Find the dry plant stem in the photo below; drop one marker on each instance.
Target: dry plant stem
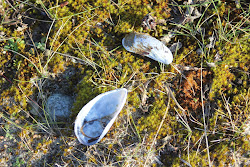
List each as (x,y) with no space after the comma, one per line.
(204,122)
(229,112)
(11,5)
(178,105)
(176,102)
(165,114)
(45,21)
(11,122)
(183,77)
(28,32)
(50,28)
(184,122)
(132,75)
(28,98)
(57,36)
(185,162)
(25,58)
(25,142)
(91,63)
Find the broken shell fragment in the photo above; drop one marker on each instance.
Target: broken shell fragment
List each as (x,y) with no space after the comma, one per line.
(146,45)
(96,117)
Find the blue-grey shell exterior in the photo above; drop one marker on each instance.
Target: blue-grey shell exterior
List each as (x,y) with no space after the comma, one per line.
(146,45)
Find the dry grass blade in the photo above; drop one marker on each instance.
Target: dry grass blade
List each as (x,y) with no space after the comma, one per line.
(160,126)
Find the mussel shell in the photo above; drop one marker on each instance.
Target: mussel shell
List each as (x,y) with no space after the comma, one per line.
(145,45)
(96,117)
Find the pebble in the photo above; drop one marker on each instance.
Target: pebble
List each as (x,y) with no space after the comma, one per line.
(58,106)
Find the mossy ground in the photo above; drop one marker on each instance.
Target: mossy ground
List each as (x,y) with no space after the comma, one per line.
(74,48)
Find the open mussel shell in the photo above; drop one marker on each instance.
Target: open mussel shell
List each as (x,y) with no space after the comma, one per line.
(96,117)
(146,45)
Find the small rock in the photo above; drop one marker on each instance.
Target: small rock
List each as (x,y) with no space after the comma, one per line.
(175,47)
(199,51)
(58,106)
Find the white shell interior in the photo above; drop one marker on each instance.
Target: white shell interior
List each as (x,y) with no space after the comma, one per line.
(98,115)
(146,45)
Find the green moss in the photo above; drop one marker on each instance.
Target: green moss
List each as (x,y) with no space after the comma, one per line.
(228,80)
(92,31)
